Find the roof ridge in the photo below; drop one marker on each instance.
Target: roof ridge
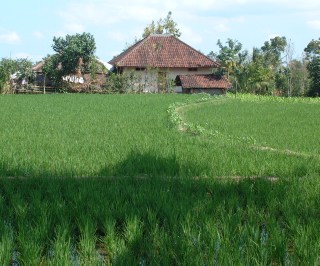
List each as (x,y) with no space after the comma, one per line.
(216,63)
(140,54)
(161,34)
(124,53)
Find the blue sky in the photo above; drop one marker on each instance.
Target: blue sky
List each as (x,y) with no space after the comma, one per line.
(28,27)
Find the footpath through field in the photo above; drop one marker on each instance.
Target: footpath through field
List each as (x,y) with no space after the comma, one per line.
(180,111)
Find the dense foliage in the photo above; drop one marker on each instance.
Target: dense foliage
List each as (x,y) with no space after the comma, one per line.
(266,70)
(75,52)
(74,55)
(13,72)
(313,58)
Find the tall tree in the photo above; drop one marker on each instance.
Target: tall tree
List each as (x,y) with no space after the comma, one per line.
(272,51)
(267,66)
(233,59)
(289,50)
(300,81)
(52,68)
(260,76)
(74,53)
(163,26)
(313,58)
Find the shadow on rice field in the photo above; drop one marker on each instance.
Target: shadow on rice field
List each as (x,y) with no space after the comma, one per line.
(105,180)
(142,218)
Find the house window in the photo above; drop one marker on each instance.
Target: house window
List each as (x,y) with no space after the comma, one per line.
(140,68)
(192,69)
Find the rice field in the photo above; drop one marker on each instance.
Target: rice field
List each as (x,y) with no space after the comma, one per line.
(159,180)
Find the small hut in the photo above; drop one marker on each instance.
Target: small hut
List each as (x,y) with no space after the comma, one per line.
(207,83)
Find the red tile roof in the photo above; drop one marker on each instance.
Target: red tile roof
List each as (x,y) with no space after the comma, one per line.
(200,81)
(166,51)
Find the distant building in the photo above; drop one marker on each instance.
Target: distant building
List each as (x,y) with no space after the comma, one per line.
(197,83)
(76,82)
(158,59)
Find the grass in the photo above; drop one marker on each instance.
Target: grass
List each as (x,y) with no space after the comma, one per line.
(162,220)
(108,180)
(279,124)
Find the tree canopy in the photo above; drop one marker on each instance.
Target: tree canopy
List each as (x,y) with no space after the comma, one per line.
(262,71)
(74,55)
(74,52)
(313,58)
(163,26)
(230,55)
(232,59)
(273,49)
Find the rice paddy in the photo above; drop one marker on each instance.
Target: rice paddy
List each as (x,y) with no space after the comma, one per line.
(111,180)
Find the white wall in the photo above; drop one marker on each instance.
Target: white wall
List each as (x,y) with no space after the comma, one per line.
(147,80)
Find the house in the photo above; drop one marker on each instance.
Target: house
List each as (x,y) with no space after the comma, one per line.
(158,59)
(77,82)
(197,83)
(40,80)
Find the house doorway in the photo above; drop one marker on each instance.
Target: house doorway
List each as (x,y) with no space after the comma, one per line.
(162,81)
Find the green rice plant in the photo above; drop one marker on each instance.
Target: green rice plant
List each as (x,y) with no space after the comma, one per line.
(114,243)
(60,252)
(30,249)
(6,243)
(158,242)
(269,123)
(107,179)
(87,245)
(53,136)
(165,221)
(134,241)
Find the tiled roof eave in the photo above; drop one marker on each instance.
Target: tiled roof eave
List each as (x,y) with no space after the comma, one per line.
(203,81)
(162,51)
(165,66)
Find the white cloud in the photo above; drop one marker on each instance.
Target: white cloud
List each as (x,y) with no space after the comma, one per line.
(216,5)
(221,27)
(289,3)
(10,37)
(60,33)
(273,35)
(69,28)
(190,36)
(21,55)
(201,22)
(117,36)
(32,57)
(314,24)
(74,28)
(109,13)
(38,34)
